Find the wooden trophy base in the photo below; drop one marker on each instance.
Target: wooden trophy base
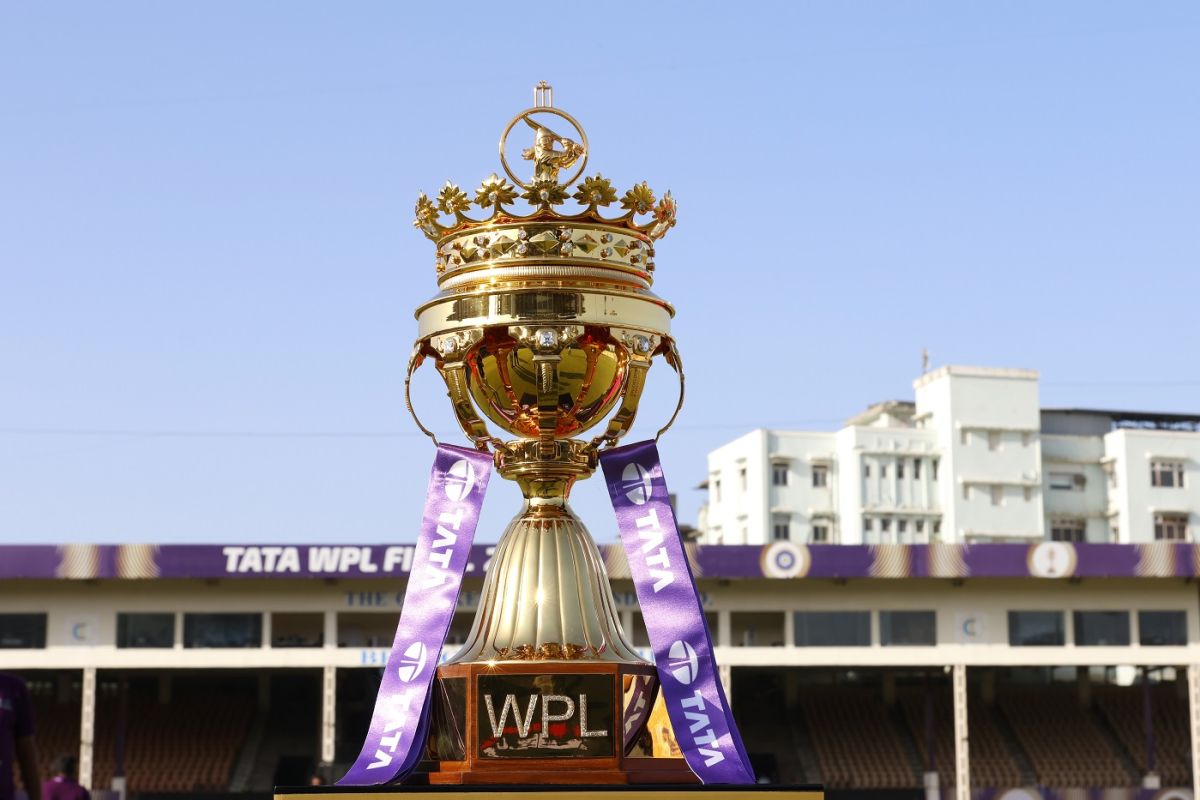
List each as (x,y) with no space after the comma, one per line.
(546,722)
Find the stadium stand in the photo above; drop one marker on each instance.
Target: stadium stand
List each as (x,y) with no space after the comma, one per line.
(1064,743)
(1122,708)
(187,745)
(868,752)
(992,760)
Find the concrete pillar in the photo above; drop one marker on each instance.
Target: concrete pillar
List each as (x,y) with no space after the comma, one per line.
(962,756)
(266,630)
(331,630)
(724,629)
(87,728)
(932,790)
(789,629)
(1193,677)
(328,714)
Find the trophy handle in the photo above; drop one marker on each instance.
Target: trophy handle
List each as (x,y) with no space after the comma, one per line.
(673,358)
(622,421)
(456,382)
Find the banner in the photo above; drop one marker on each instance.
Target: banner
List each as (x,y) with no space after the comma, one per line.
(400,721)
(666,590)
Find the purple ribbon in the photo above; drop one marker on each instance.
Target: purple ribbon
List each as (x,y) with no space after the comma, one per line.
(400,721)
(666,590)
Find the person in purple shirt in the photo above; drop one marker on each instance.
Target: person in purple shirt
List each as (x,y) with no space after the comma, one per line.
(64,785)
(16,739)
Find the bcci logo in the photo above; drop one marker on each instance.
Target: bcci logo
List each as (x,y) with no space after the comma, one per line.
(413,660)
(636,484)
(460,480)
(682,662)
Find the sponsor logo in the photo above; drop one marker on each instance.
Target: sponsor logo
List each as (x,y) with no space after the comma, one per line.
(682,662)
(785,560)
(636,484)
(1051,560)
(413,661)
(700,729)
(460,480)
(653,551)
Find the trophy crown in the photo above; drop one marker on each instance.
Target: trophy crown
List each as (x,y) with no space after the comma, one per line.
(557,223)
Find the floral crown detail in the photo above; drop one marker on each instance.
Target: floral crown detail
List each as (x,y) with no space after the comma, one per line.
(541,239)
(496,194)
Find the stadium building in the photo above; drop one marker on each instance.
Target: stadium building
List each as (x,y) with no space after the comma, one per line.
(1034,669)
(974,459)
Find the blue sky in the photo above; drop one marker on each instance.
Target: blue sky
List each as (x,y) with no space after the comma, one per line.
(207,268)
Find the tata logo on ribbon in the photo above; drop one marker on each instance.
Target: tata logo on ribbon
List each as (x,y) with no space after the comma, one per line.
(682,662)
(636,483)
(460,480)
(413,661)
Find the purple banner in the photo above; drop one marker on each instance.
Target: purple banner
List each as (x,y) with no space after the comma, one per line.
(400,721)
(683,650)
(784,560)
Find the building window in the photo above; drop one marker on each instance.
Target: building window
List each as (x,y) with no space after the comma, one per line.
(1068,530)
(1159,628)
(820,476)
(885,524)
(145,630)
(742,477)
(866,470)
(1171,527)
(900,468)
(299,629)
(781,528)
(901,526)
(1035,628)
(22,631)
(937,526)
(916,469)
(1027,491)
(1166,474)
(779,474)
(933,468)
(867,524)
(716,488)
(883,471)
(901,628)
(920,525)
(993,440)
(833,628)
(1102,628)
(1065,481)
(997,494)
(222,630)
(820,533)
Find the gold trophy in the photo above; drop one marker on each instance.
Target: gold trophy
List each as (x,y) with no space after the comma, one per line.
(544,325)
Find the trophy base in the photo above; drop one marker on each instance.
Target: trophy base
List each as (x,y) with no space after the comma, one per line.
(548,722)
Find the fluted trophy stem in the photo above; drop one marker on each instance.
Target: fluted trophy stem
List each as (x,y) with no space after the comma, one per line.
(546,595)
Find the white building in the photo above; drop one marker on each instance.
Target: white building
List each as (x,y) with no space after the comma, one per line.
(973,459)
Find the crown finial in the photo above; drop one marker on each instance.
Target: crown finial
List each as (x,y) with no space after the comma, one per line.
(546,239)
